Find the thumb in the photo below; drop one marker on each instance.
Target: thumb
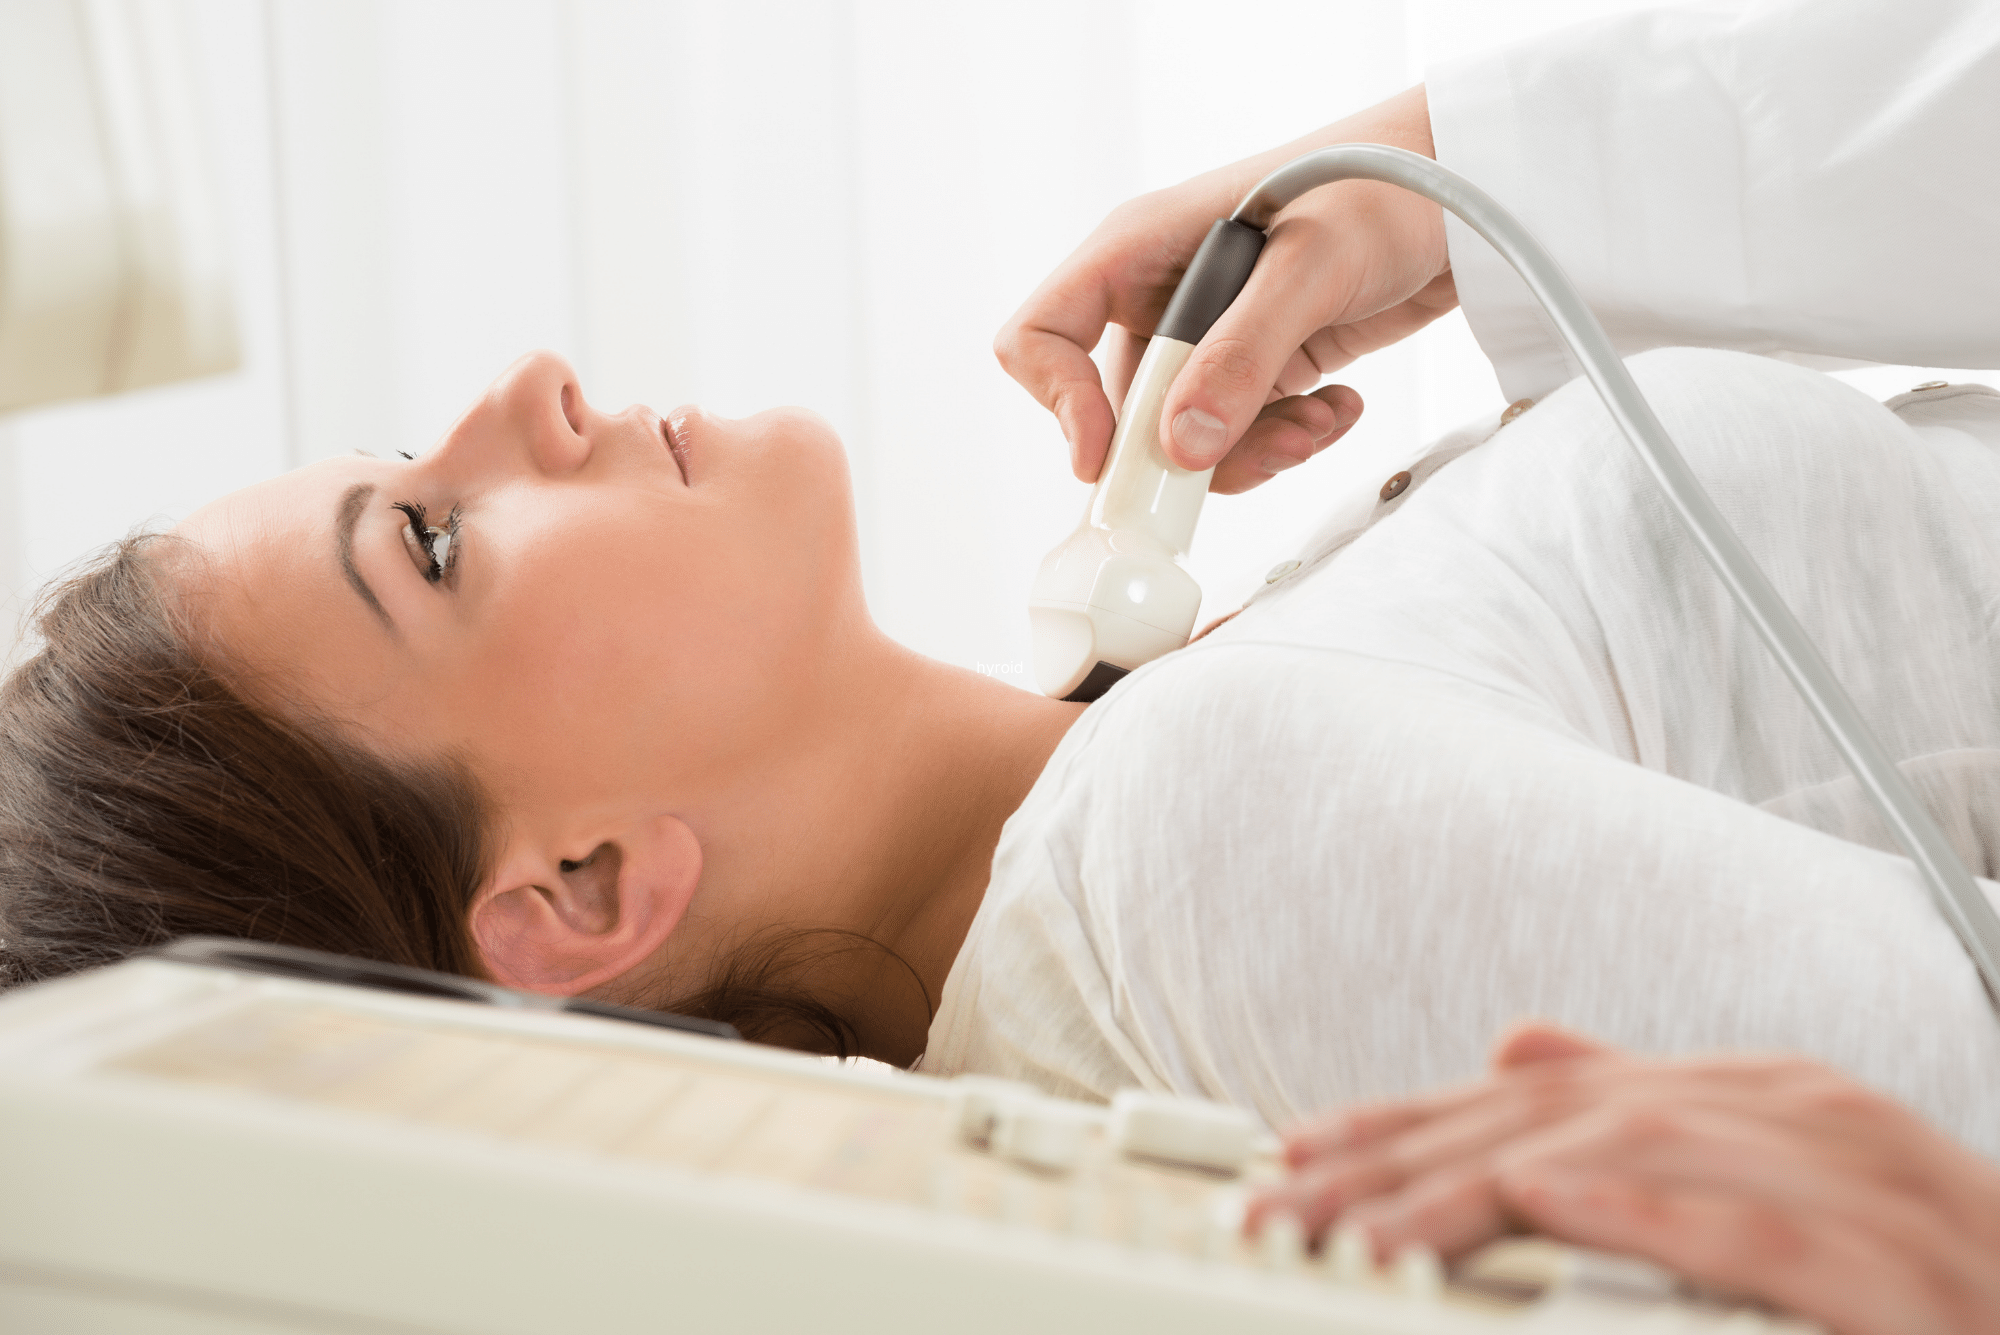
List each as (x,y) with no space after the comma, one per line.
(1228,379)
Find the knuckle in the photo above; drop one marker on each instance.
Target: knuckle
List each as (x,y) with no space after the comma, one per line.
(1636,1126)
(1808,1086)
(1065,398)
(1007,345)
(1755,1238)
(1840,1100)
(1547,1093)
(1799,1070)
(1233,366)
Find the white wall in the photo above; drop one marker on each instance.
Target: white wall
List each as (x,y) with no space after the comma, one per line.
(743,204)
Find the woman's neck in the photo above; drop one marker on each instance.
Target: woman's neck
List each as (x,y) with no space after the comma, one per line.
(884,823)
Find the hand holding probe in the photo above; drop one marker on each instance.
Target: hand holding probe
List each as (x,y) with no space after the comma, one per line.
(1116,595)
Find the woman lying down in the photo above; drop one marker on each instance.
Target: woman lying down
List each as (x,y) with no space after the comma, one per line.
(591,703)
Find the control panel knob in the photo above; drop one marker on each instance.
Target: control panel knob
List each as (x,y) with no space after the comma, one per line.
(1182,1131)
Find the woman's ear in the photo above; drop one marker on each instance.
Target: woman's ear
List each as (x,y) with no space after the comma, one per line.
(563,917)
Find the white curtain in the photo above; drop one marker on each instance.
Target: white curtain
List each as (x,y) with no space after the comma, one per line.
(743,204)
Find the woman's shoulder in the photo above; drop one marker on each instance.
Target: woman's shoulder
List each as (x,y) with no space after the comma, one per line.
(1155,784)
(1132,816)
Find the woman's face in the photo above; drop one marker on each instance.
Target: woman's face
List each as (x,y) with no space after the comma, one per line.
(625,606)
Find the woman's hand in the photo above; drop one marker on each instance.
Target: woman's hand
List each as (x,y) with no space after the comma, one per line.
(1349,268)
(1770,1176)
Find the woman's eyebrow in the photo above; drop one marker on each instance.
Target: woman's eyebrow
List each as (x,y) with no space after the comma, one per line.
(352,502)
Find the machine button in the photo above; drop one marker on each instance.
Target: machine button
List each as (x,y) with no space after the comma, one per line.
(1150,1218)
(1222,1225)
(1276,573)
(983,1102)
(1419,1273)
(1515,409)
(1086,1211)
(1043,1133)
(1283,1242)
(1350,1255)
(1182,1131)
(1017,1201)
(1395,485)
(947,1188)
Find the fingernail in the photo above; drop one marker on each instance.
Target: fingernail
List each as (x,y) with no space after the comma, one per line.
(1278,463)
(1199,436)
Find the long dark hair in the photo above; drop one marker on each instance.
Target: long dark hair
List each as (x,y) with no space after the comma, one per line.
(142,798)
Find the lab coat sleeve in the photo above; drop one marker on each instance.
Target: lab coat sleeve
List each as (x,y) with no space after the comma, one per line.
(1819,178)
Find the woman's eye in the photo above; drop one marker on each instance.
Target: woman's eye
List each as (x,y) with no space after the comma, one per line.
(439,544)
(431,548)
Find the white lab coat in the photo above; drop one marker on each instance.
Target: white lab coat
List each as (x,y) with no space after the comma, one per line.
(1815,177)
(1501,745)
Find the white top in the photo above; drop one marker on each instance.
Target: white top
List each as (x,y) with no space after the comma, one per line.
(1502,747)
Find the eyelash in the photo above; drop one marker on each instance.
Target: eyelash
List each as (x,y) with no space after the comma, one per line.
(426,537)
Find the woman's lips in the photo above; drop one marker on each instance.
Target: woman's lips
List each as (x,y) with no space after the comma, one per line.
(673,429)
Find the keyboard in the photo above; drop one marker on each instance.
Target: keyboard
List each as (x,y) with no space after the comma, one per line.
(194,1148)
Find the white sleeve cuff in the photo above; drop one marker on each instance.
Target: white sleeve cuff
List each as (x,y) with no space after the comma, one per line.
(1477,133)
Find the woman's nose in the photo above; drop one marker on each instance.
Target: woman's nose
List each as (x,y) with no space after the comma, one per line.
(536,407)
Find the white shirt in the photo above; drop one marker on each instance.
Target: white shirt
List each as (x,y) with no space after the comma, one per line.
(1502,747)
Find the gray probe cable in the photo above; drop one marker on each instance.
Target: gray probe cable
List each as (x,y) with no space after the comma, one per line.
(1951,886)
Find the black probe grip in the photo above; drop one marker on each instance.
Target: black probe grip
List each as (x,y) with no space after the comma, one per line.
(1213,278)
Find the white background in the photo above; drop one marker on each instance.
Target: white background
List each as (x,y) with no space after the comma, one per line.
(740,204)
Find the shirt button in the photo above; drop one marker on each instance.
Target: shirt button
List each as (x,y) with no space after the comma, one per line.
(1930,384)
(1515,409)
(1280,570)
(1394,486)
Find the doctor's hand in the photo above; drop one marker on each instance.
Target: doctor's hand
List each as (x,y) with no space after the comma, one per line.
(1349,268)
(1774,1177)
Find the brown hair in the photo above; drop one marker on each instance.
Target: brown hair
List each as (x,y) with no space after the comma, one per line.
(142,798)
